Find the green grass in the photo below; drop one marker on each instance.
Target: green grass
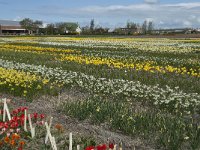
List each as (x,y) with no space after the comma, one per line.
(166,131)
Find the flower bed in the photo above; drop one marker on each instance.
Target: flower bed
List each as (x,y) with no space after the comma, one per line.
(18,128)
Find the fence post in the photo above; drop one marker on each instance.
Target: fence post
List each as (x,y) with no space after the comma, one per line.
(5,111)
(25,120)
(115,147)
(51,139)
(70,141)
(49,126)
(31,126)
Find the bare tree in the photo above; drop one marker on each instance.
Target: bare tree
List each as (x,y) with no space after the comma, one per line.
(131,25)
(150,27)
(92,25)
(145,27)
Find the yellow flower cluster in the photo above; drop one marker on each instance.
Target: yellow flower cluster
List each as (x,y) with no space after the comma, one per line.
(34,48)
(14,79)
(146,66)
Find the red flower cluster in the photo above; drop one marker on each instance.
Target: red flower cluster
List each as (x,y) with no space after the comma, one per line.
(19,110)
(36,116)
(17,119)
(10,129)
(100,147)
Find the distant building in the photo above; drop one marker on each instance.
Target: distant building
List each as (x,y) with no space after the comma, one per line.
(174,31)
(78,30)
(197,30)
(128,31)
(8,27)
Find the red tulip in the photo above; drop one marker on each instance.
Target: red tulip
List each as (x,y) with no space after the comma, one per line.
(101,147)
(35,115)
(42,116)
(20,148)
(14,112)
(19,110)
(24,108)
(111,146)
(90,148)
(1,112)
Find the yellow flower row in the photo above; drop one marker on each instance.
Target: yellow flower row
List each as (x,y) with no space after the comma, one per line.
(165,40)
(20,79)
(34,48)
(97,39)
(146,66)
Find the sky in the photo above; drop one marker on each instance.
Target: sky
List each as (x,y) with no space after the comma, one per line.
(106,13)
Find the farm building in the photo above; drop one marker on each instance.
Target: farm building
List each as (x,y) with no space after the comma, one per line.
(175,31)
(8,27)
(128,31)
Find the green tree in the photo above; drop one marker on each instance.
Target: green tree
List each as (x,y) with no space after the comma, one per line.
(50,29)
(66,27)
(100,30)
(30,25)
(86,30)
(27,24)
(36,26)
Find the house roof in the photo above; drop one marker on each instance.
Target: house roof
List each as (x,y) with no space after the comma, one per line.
(12,28)
(9,23)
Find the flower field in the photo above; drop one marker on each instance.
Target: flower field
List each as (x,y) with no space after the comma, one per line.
(140,87)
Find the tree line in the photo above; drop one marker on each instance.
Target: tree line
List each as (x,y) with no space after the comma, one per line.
(62,28)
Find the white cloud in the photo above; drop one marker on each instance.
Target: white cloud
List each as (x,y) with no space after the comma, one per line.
(149,19)
(198,20)
(193,17)
(187,23)
(171,15)
(18,18)
(151,1)
(163,15)
(114,8)
(185,5)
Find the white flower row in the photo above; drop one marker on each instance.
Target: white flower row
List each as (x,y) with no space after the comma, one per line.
(145,46)
(159,45)
(167,97)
